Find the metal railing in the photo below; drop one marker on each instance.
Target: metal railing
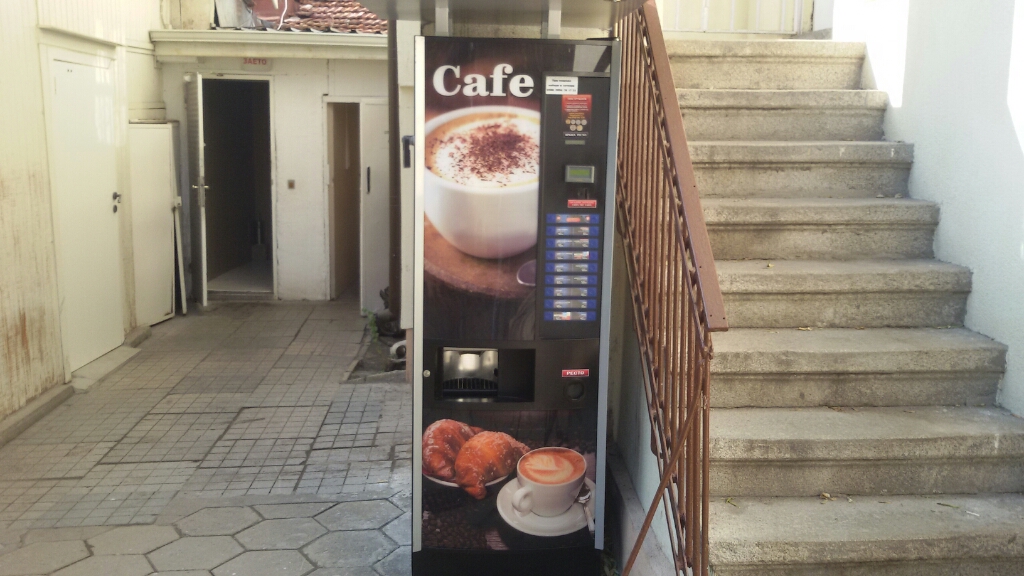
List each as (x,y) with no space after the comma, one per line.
(677,301)
(735,16)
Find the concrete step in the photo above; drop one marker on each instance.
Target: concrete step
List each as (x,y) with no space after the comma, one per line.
(745,169)
(849,367)
(795,115)
(820,228)
(979,535)
(843,294)
(882,451)
(766,64)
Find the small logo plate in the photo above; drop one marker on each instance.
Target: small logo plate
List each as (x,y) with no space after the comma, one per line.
(574,203)
(577,373)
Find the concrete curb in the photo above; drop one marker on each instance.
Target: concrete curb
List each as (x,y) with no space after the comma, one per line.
(33,412)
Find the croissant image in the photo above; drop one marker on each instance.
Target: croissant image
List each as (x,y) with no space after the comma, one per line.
(442,441)
(485,457)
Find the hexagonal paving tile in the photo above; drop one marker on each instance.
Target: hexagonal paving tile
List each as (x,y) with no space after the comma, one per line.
(300,510)
(400,529)
(364,515)
(132,540)
(218,521)
(202,553)
(355,571)
(398,563)
(42,558)
(286,534)
(183,573)
(348,549)
(272,563)
(134,565)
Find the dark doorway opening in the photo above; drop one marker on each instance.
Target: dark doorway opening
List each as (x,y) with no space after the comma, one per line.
(239,208)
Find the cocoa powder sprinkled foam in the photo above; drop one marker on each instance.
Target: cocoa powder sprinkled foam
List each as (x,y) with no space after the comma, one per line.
(490,150)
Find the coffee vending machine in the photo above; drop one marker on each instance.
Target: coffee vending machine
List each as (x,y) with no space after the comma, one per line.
(515,179)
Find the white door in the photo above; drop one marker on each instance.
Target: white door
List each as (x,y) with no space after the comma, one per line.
(154,189)
(374,219)
(83,128)
(197,182)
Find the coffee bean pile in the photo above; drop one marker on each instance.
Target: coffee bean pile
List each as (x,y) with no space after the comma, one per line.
(446,522)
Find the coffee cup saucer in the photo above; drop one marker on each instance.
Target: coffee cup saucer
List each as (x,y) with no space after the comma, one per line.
(570,521)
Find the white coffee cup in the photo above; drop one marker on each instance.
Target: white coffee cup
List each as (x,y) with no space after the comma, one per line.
(549,489)
(486,222)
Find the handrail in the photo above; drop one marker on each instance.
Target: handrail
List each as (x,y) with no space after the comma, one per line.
(677,301)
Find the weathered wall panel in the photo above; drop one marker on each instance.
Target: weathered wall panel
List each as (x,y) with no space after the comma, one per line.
(104,19)
(30,354)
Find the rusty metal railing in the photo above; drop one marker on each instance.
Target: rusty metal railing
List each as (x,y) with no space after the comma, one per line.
(677,302)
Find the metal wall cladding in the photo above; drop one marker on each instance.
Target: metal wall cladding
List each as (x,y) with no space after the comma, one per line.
(30,358)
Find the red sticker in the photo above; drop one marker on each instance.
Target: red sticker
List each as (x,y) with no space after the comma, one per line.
(582,203)
(577,373)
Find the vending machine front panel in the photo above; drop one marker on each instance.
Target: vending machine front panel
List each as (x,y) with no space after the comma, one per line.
(514,195)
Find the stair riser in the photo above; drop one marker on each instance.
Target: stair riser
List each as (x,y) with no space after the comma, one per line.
(813,390)
(846,310)
(826,242)
(910,567)
(788,125)
(872,477)
(767,73)
(800,180)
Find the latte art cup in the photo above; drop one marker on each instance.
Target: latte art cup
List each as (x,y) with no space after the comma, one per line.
(482,221)
(547,499)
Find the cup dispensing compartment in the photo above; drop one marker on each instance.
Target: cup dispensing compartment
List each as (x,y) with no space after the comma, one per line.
(485,375)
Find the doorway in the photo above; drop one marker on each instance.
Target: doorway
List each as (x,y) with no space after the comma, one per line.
(359,193)
(343,153)
(238,200)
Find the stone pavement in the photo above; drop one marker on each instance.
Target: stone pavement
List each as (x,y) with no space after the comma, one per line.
(232,444)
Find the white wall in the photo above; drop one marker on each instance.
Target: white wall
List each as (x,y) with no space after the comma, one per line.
(30,354)
(968,131)
(298,124)
(30,349)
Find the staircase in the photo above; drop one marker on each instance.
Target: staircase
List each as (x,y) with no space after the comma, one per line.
(853,430)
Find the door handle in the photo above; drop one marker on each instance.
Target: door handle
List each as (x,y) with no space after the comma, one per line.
(117,197)
(407,143)
(367,179)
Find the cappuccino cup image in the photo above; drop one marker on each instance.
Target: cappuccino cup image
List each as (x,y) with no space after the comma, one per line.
(481,179)
(550,480)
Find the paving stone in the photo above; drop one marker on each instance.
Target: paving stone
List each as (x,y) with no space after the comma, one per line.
(218,521)
(61,534)
(365,515)
(201,553)
(398,563)
(108,566)
(183,573)
(400,529)
(306,510)
(350,571)
(272,563)
(42,558)
(284,534)
(132,540)
(350,549)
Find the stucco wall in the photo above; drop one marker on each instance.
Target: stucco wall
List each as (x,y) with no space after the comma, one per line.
(298,125)
(955,101)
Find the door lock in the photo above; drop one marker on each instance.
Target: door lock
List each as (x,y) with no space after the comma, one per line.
(117,200)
